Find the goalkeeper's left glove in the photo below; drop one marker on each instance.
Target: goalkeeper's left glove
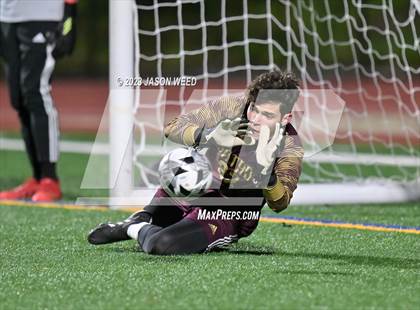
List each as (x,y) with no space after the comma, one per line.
(66,32)
(230,133)
(267,148)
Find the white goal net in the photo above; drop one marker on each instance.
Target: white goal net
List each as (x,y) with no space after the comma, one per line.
(367,53)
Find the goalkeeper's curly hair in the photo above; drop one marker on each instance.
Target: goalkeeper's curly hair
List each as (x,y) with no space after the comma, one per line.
(275,80)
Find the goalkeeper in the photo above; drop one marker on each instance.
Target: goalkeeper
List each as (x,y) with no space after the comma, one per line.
(257,154)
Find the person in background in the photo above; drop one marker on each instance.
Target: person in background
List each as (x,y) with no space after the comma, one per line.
(33,35)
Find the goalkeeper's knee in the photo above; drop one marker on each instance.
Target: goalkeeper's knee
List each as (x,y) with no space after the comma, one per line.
(161,243)
(170,243)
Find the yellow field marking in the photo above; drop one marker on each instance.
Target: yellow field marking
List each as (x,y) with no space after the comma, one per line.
(68,206)
(340,225)
(51,205)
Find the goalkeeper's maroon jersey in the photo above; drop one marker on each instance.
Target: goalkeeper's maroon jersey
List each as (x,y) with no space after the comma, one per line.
(236,173)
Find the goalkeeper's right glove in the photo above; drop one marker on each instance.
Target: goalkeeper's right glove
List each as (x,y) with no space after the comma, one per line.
(230,133)
(267,147)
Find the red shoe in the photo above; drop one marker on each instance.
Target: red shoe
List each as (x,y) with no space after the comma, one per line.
(25,190)
(48,190)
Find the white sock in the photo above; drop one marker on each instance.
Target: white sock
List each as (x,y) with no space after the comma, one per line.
(134,229)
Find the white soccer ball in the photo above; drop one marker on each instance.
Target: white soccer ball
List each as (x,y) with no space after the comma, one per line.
(185,173)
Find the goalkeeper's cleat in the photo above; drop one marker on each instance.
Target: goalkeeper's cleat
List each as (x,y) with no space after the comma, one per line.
(109,232)
(23,191)
(48,190)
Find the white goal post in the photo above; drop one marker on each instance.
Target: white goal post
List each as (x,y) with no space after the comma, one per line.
(366,53)
(120,101)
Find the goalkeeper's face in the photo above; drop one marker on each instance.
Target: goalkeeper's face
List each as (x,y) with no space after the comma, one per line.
(267,114)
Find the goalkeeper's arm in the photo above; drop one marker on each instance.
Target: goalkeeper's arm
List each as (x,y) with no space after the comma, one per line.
(277,196)
(287,170)
(187,128)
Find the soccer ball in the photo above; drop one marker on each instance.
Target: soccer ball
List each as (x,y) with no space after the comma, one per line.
(185,173)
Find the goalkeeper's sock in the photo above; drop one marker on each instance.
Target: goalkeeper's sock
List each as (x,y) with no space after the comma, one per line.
(134,229)
(48,170)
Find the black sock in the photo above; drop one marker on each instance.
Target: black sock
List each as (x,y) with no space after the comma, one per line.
(36,171)
(48,170)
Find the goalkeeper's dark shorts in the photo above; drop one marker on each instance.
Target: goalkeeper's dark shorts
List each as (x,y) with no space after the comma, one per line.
(222,226)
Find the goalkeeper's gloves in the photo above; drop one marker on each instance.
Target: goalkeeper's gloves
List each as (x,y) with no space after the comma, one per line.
(267,148)
(66,32)
(230,133)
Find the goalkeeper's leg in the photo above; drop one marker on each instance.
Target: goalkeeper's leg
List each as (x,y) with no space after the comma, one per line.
(188,236)
(161,216)
(183,237)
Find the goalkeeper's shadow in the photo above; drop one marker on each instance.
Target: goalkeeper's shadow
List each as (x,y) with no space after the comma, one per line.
(251,252)
(142,256)
(233,250)
(244,249)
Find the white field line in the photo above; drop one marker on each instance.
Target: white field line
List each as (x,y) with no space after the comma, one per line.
(77,147)
(80,147)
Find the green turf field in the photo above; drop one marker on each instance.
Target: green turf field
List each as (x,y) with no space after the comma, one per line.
(46,262)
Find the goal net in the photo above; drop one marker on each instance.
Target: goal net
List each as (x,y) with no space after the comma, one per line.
(359,67)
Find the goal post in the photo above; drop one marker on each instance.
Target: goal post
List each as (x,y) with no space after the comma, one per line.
(121,99)
(367,54)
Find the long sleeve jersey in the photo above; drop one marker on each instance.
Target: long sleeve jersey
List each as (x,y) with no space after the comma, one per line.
(287,167)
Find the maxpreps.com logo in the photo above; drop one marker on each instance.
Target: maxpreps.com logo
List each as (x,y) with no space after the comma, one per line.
(219,214)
